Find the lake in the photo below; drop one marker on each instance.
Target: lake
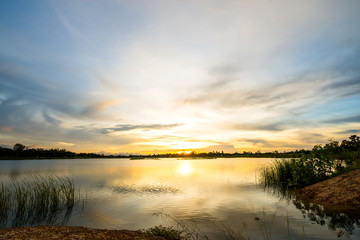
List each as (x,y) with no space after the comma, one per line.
(127,194)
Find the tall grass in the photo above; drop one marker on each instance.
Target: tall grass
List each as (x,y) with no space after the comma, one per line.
(191,229)
(5,198)
(300,172)
(196,229)
(38,200)
(278,172)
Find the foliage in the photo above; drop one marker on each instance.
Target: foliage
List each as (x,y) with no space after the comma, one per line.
(19,147)
(322,163)
(20,151)
(166,232)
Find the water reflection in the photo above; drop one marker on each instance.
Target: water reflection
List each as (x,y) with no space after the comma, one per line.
(145,189)
(185,168)
(320,215)
(317,214)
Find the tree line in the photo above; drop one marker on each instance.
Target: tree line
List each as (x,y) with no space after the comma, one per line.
(347,150)
(20,151)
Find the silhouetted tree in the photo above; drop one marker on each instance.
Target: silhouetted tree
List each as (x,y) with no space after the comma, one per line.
(353,144)
(18,147)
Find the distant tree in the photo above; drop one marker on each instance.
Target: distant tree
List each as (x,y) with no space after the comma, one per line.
(353,144)
(18,147)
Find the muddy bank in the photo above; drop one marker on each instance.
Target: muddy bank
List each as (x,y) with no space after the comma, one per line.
(59,232)
(341,193)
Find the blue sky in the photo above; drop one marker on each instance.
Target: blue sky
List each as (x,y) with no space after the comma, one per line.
(160,76)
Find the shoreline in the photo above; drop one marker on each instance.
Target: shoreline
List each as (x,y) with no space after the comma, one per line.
(340,193)
(65,232)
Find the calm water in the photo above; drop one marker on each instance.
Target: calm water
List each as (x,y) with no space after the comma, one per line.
(121,193)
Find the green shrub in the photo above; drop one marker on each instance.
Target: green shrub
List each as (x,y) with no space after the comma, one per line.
(300,172)
(166,232)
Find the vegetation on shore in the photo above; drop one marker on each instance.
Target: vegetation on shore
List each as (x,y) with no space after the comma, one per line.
(321,163)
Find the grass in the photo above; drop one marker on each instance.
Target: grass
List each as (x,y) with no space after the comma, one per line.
(278,172)
(38,200)
(169,233)
(301,172)
(193,229)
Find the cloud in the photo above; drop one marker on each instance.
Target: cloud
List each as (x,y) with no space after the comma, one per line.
(66,143)
(26,121)
(128,127)
(21,86)
(51,120)
(95,108)
(227,148)
(350,131)
(302,92)
(259,126)
(350,119)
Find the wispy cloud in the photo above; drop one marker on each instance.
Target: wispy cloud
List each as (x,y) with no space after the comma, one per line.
(350,131)
(301,93)
(66,143)
(348,119)
(144,127)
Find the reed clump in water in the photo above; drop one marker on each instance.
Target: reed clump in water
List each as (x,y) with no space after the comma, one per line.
(193,229)
(38,200)
(321,163)
(300,172)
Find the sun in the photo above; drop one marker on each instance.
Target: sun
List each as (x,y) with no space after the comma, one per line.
(186,152)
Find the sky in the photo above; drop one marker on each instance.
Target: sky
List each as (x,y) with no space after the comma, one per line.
(155,76)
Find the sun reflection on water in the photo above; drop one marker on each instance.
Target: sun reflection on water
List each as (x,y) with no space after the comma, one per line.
(185,168)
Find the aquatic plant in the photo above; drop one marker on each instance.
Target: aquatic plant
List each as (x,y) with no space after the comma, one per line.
(190,229)
(38,200)
(300,172)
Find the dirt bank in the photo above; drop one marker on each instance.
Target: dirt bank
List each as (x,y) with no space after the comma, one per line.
(341,193)
(58,232)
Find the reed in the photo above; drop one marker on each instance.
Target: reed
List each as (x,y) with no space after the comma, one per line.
(37,200)
(278,172)
(210,228)
(300,172)
(191,229)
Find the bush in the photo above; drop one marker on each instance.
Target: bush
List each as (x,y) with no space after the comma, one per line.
(300,172)
(166,232)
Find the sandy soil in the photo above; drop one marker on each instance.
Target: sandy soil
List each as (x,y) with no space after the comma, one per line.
(58,232)
(341,193)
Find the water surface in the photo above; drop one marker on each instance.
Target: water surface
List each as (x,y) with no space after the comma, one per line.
(125,194)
